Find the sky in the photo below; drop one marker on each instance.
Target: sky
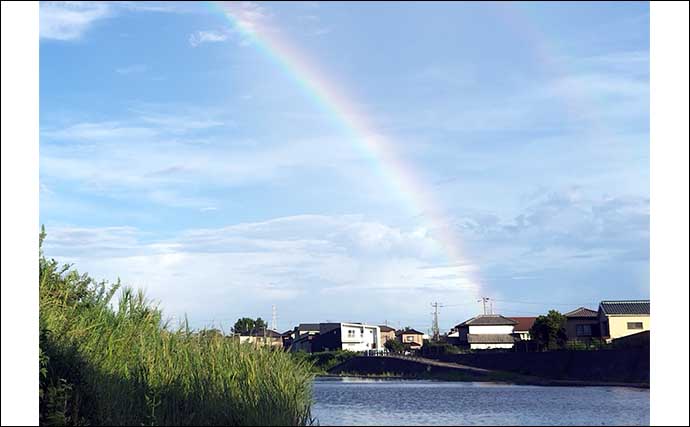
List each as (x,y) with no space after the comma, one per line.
(349,162)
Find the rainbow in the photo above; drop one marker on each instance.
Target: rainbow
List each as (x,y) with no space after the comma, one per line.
(331,98)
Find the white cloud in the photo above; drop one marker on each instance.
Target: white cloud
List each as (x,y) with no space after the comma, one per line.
(69,20)
(313,266)
(207,36)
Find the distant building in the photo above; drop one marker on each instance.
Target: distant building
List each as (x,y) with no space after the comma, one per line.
(582,324)
(622,318)
(319,337)
(488,331)
(261,337)
(387,333)
(410,338)
(522,327)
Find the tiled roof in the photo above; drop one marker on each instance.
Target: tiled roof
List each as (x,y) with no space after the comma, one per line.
(490,339)
(409,332)
(625,307)
(582,312)
(523,323)
(268,333)
(488,320)
(385,328)
(308,327)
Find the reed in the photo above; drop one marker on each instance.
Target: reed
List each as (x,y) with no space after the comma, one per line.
(106,362)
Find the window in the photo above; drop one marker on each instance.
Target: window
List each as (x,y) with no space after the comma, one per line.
(409,338)
(635,325)
(350,333)
(583,330)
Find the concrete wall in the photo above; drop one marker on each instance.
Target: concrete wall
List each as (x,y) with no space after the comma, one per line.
(489,346)
(624,365)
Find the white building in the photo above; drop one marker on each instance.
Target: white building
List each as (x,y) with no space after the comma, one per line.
(340,336)
(486,331)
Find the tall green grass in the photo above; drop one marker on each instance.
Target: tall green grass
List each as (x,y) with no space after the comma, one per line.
(118,363)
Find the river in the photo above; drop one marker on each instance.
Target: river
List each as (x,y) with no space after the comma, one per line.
(354,401)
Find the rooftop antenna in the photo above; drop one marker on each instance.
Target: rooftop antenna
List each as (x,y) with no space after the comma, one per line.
(484,300)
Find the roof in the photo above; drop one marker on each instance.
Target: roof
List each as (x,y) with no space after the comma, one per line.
(385,328)
(490,339)
(308,327)
(488,320)
(268,333)
(523,323)
(625,307)
(409,332)
(582,312)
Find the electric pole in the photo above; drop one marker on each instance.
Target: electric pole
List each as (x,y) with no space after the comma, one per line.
(434,325)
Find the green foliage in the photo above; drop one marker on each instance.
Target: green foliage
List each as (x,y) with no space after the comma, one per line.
(108,361)
(549,331)
(394,346)
(245,325)
(431,348)
(322,362)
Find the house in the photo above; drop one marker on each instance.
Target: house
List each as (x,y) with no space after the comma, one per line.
(522,327)
(622,318)
(387,333)
(487,331)
(337,336)
(410,338)
(262,336)
(582,324)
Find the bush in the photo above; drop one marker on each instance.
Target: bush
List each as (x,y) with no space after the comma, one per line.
(118,363)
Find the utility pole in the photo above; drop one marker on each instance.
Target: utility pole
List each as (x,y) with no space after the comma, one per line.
(274,318)
(434,324)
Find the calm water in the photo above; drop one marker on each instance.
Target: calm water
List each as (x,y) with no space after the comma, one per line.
(352,401)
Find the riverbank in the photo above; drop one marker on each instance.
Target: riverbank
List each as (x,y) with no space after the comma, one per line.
(105,362)
(426,369)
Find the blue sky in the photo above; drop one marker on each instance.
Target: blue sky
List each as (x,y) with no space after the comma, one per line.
(176,155)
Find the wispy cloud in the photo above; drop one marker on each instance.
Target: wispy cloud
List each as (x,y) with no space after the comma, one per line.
(207,36)
(70,20)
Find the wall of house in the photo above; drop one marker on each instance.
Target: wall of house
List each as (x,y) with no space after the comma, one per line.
(410,338)
(571,327)
(385,336)
(618,325)
(493,329)
(489,346)
(365,337)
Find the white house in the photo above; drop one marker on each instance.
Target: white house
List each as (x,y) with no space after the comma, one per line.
(340,336)
(486,331)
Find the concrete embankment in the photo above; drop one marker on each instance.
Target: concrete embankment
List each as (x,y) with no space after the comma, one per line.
(606,366)
(567,368)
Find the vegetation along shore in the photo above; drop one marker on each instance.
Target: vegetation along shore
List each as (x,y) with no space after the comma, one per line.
(120,363)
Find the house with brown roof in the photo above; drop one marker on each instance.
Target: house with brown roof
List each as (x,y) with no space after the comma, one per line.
(582,324)
(622,318)
(487,331)
(522,327)
(410,338)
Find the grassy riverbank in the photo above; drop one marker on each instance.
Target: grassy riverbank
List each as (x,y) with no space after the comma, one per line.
(104,363)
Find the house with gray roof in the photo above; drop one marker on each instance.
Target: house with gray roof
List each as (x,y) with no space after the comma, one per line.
(621,318)
(487,331)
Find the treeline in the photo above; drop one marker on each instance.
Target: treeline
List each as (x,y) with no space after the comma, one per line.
(107,362)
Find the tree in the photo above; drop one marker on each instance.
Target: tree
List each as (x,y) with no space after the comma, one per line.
(246,325)
(394,346)
(549,331)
